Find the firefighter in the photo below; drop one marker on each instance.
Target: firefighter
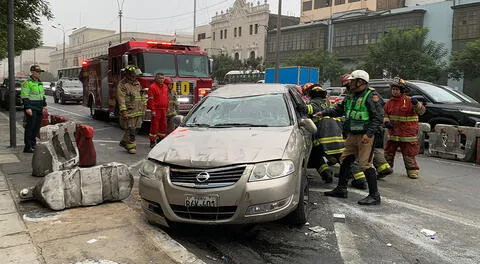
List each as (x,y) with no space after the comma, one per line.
(401,119)
(172,105)
(363,116)
(158,104)
(131,102)
(33,97)
(328,142)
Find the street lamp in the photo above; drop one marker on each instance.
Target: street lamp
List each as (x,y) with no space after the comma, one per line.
(60,27)
(120,12)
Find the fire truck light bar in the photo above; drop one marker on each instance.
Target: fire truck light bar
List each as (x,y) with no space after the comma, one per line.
(154,42)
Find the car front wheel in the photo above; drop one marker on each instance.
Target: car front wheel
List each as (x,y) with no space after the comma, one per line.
(299,216)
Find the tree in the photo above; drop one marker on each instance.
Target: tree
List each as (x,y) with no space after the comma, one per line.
(28,34)
(466,62)
(408,54)
(330,68)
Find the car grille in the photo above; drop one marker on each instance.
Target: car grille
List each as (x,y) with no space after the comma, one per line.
(219,177)
(204,213)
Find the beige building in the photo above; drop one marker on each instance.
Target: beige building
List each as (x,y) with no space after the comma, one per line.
(27,58)
(241,30)
(85,43)
(314,10)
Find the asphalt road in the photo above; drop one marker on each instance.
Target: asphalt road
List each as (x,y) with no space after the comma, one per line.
(444,199)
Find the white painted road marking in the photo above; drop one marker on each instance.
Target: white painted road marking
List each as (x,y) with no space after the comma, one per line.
(72,113)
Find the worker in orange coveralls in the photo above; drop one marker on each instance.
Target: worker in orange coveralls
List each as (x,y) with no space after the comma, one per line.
(158,104)
(401,119)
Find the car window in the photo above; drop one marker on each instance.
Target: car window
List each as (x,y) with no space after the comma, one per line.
(244,111)
(71,83)
(383,90)
(438,94)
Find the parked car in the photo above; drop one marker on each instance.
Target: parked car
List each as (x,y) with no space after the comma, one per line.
(47,87)
(233,160)
(68,89)
(335,94)
(5,95)
(443,106)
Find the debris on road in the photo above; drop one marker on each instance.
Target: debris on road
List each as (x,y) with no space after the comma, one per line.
(226,258)
(428,232)
(389,245)
(307,223)
(339,218)
(91,241)
(317,229)
(40,217)
(211,258)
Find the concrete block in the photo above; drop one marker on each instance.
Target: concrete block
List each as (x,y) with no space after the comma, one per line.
(82,186)
(452,142)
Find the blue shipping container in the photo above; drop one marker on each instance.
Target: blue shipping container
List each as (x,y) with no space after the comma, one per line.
(293,75)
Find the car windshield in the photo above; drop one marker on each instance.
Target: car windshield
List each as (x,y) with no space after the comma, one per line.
(462,95)
(438,94)
(71,83)
(151,63)
(193,66)
(241,112)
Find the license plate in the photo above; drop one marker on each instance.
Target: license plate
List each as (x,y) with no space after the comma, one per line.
(201,201)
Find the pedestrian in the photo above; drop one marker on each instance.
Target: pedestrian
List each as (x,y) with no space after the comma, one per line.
(158,104)
(172,106)
(363,116)
(34,101)
(401,119)
(131,102)
(328,142)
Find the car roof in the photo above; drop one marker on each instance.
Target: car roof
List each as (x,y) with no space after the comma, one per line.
(250,89)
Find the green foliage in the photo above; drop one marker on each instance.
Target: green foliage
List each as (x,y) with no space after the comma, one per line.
(408,54)
(27,14)
(224,63)
(466,62)
(330,68)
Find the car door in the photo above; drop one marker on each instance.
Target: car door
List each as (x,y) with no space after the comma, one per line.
(300,106)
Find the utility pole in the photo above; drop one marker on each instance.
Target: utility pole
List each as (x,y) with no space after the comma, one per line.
(277,53)
(62,28)
(120,13)
(11,75)
(194,18)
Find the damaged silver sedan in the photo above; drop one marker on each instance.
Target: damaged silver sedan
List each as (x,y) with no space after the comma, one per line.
(239,157)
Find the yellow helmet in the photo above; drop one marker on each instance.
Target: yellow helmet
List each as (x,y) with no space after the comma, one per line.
(306,87)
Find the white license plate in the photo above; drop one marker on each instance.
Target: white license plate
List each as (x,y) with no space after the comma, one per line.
(201,201)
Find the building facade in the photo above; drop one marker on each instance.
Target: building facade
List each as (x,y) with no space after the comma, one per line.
(240,31)
(27,58)
(85,43)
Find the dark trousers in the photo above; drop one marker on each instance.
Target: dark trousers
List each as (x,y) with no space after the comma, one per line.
(32,127)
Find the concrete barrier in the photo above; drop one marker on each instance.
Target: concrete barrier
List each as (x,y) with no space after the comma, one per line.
(453,142)
(56,150)
(82,186)
(423,130)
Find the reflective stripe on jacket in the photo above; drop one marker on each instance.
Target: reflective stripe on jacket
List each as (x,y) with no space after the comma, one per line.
(131,98)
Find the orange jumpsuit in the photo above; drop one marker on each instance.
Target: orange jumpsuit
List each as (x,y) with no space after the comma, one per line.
(158,104)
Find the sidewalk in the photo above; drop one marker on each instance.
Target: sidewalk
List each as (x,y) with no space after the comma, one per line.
(110,233)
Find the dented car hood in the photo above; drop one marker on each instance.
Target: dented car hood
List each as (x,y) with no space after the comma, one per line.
(214,147)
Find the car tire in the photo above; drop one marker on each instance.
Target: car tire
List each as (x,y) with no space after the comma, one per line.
(299,216)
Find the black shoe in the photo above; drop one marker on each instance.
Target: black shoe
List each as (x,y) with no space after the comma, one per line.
(27,150)
(337,192)
(152,144)
(359,184)
(327,176)
(384,173)
(370,200)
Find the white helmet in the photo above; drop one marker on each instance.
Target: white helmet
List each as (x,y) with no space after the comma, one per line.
(359,74)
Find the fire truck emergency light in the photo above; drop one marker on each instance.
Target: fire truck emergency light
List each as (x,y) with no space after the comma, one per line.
(84,63)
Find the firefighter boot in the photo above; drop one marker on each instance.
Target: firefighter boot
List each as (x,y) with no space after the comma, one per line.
(325,173)
(384,170)
(341,190)
(360,184)
(373,197)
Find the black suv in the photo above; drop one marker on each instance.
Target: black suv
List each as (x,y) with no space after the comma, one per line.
(68,89)
(5,95)
(444,106)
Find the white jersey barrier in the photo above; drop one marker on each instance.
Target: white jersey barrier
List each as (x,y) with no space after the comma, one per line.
(82,186)
(454,142)
(423,130)
(56,150)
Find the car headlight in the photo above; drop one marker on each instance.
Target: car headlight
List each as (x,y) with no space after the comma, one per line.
(470,112)
(271,170)
(152,170)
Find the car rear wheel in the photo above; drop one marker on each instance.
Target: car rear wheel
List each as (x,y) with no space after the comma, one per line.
(299,216)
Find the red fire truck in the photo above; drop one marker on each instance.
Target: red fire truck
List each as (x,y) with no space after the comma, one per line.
(188,66)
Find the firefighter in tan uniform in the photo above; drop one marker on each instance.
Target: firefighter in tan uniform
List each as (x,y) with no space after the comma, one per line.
(132,104)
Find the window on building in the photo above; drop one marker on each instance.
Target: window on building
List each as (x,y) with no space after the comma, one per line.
(466,24)
(351,1)
(321,3)
(213,35)
(339,2)
(225,33)
(256,28)
(201,36)
(235,32)
(252,54)
(239,31)
(221,34)
(307,6)
(237,56)
(251,29)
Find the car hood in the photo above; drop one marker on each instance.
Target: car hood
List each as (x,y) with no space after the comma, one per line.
(215,147)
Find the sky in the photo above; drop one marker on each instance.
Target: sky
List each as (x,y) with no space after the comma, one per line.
(153,16)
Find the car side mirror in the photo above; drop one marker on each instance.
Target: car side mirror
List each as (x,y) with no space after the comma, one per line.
(308,124)
(420,98)
(177,120)
(210,66)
